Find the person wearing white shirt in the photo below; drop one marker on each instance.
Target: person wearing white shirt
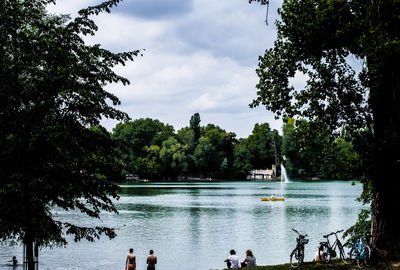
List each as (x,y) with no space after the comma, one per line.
(233,260)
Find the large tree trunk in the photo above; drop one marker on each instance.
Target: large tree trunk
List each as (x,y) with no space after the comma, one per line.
(384,67)
(385,222)
(383,59)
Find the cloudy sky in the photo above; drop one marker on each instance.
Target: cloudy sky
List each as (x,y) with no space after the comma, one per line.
(200,56)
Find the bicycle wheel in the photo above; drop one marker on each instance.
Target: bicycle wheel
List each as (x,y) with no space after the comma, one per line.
(367,260)
(364,256)
(324,253)
(301,255)
(296,258)
(353,255)
(343,256)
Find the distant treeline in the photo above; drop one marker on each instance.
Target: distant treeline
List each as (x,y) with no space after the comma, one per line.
(309,150)
(153,150)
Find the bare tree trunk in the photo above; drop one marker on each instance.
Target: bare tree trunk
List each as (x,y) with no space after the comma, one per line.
(28,238)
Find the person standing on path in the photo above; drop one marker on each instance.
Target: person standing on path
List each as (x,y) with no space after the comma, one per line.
(130,262)
(151,261)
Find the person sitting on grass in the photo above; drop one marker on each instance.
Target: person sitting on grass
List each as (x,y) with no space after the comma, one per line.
(319,255)
(233,260)
(250,260)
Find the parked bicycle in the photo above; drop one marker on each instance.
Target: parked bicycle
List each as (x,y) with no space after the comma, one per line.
(297,255)
(360,251)
(327,250)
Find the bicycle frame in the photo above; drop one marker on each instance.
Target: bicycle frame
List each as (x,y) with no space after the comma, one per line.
(359,246)
(327,249)
(297,255)
(361,250)
(332,247)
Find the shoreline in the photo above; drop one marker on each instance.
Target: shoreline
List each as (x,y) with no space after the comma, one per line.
(335,264)
(276,179)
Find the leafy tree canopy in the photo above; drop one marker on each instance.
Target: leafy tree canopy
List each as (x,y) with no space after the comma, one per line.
(264,144)
(51,92)
(142,132)
(195,126)
(315,40)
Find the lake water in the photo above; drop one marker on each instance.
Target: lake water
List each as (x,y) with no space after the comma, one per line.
(192,226)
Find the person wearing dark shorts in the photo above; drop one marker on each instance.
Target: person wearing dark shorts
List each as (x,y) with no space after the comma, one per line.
(130,263)
(151,261)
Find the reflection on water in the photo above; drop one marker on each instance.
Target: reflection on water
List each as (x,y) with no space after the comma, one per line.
(194,225)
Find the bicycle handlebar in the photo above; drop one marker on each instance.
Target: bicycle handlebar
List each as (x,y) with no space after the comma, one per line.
(332,233)
(305,235)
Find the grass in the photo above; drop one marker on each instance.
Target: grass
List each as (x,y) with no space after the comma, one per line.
(335,264)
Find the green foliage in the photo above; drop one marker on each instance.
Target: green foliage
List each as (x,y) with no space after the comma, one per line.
(195,126)
(311,152)
(261,144)
(242,159)
(221,156)
(304,146)
(173,156)
(51,93)
(316,40)
(307,146)
(307,45)
(145,150)
(362,225)
(135,139)
(142,132)
(224,166)
(344,161)
(186,136)
(206,156)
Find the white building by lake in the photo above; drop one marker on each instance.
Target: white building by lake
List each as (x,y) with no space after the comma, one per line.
(260,174)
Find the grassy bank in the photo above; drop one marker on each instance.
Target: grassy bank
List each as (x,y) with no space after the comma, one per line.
(331,266)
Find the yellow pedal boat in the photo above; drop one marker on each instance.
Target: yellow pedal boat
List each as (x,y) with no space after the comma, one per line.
(273,199)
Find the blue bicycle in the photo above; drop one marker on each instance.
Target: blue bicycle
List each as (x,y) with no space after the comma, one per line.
(360,251)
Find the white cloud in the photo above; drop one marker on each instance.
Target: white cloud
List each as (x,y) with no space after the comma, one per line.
(70,6)
(201,59)
(204,103)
